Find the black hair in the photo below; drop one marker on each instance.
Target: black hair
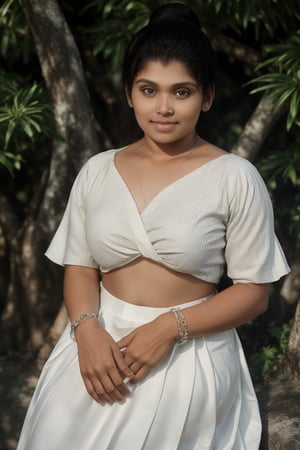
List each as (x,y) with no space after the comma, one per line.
(173,33)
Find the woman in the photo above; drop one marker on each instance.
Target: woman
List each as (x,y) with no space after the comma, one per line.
(159,365)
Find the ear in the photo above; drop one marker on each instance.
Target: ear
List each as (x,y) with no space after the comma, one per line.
(129,101)
(208,98)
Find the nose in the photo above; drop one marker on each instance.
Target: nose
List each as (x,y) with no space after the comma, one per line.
(164,106)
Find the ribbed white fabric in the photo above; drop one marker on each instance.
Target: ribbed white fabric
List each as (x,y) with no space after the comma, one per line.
(220,212)
(200,398)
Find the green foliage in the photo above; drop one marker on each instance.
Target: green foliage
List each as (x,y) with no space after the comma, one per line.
(271,357)
(15,39)
(25,113)
(263,15)
(283,166)
(116,22)
(284,81)
(281,170)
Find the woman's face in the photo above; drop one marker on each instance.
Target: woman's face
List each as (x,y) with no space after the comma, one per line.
(167,101)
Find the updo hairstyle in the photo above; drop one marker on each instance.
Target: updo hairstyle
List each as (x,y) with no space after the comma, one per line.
(173,33)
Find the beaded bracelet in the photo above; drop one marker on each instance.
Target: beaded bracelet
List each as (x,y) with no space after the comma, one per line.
(183,333)
(80,319)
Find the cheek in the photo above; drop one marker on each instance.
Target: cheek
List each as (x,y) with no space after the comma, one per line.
(141,116)
(192,113)
(142,109)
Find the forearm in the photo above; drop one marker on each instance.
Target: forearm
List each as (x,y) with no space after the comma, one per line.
(101,362)
(81,290)
(228,309)
(148,344)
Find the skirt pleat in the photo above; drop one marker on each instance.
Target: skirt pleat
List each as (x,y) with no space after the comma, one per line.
(200,397)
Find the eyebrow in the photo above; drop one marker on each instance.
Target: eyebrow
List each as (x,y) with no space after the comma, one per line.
(182,83)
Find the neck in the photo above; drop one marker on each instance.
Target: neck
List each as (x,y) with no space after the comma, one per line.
(178,148)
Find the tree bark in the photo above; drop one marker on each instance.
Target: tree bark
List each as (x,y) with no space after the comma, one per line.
(235,50)
(62,70)
(9,226)
(41,283)
(294,346)
(52,336)
(257,128)
(291,290)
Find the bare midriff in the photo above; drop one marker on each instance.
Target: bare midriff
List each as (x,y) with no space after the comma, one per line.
(147,283)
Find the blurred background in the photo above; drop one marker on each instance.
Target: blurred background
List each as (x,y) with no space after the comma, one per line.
(62,100)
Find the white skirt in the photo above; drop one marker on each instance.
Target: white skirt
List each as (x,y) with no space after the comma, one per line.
(201,397)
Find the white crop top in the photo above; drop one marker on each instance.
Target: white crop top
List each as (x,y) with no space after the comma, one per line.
(218,213)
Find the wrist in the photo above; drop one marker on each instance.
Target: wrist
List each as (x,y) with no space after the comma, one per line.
(168,324)
(80,320)
(182,329)
(86,327)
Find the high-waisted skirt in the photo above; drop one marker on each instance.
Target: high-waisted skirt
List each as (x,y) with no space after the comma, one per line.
(200,397)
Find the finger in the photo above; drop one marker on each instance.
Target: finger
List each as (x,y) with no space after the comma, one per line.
(114,386)
(125,341)
(140,374)
(104,390)
(120,381)
(122,364)
(105,398)
(92,392)
(135,368)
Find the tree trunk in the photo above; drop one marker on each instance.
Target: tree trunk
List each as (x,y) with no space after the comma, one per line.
(292,289)
(52,336)
(294,346)
(9,281)
(40,282)
(257,128)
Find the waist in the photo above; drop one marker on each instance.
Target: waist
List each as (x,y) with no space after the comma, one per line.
(148,283)
(128,311)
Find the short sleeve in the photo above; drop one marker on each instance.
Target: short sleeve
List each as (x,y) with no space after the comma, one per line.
(253,253)
(69,244)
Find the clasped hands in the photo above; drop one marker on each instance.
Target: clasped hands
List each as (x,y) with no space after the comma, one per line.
(107,366)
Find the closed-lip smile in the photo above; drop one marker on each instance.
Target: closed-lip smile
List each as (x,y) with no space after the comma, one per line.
(164,122)
(164,126)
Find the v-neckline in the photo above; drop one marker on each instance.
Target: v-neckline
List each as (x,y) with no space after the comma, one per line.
(165,188)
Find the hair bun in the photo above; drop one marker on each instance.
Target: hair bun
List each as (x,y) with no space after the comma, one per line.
(173,12)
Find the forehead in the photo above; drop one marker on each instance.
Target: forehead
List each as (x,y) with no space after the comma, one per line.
(172,72)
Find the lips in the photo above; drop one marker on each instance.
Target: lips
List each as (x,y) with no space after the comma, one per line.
(163,125)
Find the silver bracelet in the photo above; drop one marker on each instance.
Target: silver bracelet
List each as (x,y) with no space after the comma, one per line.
(80,319)
(183,333)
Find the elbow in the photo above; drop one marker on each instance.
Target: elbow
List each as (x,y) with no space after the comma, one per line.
(263,305)
(263,300)
(258,297)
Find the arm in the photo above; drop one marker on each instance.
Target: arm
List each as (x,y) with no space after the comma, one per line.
(149,344)
(228,309)
(101,362)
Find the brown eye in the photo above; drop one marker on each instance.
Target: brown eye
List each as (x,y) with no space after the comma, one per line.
(149,91)
(182,93)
